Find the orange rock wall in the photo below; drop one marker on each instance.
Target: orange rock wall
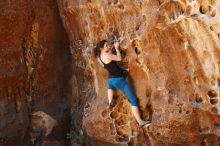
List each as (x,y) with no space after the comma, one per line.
(34,68)
(171,50)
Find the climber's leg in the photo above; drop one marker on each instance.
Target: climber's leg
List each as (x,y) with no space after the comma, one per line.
(136,113)
(111,89)
(129,93)
(110,95)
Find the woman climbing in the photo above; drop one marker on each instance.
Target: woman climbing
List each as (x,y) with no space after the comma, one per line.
(116,79)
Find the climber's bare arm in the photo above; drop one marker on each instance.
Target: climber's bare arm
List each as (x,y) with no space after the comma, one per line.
(114,57)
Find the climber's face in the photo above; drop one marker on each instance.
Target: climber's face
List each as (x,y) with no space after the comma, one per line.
(106,47)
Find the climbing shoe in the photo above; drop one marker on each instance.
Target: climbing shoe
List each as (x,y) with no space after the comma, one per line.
(145,124)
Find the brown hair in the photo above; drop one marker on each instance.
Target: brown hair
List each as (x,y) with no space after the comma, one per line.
(99,45)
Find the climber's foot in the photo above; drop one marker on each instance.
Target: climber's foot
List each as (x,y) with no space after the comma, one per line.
(144,123)
(112,103)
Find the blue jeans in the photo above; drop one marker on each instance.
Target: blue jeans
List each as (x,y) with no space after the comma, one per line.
(121,84)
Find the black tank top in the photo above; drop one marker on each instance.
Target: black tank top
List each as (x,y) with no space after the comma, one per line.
(113,69)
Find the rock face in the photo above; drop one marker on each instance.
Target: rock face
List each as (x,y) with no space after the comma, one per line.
(171,51)
(41,125)
(34,68)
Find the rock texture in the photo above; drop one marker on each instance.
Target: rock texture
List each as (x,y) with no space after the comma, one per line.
(34,69)
(41,126)
(171,51)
